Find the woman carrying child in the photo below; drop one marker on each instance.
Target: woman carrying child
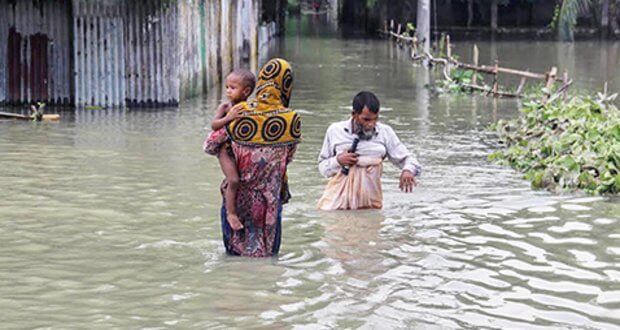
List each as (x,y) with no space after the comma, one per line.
(264,139)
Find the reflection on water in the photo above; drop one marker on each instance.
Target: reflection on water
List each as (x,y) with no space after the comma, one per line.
(109,217)
(589,63)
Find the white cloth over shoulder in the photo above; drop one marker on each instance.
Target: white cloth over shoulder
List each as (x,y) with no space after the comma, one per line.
(361,189)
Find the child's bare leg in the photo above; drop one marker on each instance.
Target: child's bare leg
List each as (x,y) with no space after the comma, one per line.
(229,168)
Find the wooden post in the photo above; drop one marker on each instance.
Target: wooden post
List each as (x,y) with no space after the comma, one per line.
(423,31)
(565,81)
(385,27)
(475,77)
(449,54)
(605,18)
(495,78)
(521,85)
(549,84)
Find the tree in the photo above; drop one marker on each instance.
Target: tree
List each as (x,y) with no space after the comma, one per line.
(423,28)
(613,14)
(604,17)
(493,15)
(470,12)
(566,15)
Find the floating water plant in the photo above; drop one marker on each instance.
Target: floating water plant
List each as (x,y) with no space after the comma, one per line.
(565,145)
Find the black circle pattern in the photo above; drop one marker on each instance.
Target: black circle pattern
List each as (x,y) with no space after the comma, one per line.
(287,84)
(274,128)
(271,70)
(296,127)
(245,129)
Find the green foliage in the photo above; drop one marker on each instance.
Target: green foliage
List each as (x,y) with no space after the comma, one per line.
(565,145)
(464,76)
(458,77)
(410,29)
(371,3)
(565,17)
(36,111)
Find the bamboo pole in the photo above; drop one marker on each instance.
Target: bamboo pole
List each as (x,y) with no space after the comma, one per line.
(488,90)
(475,77)
(495,78)
(566,80)
(560,91)
(9,115)
(47,117)
(397,36)
(491,70)
(521,85)
(482,68)
(550,78)
(549,84)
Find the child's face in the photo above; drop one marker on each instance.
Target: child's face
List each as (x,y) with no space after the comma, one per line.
(236,90)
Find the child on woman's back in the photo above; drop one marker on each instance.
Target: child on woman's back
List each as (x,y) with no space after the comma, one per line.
(239,85)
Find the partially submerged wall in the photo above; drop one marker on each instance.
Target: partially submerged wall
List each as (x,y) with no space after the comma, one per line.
(114,53)
(35,52)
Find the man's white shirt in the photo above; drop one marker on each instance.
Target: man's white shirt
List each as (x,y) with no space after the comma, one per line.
(383,143)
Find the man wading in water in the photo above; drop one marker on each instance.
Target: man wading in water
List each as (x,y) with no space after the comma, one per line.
(352,157)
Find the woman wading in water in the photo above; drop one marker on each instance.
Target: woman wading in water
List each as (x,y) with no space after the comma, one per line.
(264,141)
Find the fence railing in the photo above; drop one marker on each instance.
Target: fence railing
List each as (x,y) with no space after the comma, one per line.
(551,80)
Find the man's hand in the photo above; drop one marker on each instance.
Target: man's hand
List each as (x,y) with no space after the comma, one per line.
(347,158)
(407,181)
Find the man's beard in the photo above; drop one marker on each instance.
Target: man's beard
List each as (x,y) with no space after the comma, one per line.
(364,134)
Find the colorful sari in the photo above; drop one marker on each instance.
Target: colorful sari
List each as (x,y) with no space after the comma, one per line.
(264,141)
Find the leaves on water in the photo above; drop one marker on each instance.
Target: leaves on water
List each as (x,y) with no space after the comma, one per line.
(565,145)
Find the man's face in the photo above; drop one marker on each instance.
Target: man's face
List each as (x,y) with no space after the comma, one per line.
(367,119)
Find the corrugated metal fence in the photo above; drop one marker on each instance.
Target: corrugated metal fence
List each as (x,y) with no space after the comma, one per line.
(117,53)
(125,53)
(35,52)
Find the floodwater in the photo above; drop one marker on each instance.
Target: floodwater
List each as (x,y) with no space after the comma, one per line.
(109,218)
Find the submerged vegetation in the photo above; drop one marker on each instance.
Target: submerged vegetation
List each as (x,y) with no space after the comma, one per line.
(565,145)
(560,142)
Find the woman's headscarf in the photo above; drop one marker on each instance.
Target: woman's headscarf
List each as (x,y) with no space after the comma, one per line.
(267,120)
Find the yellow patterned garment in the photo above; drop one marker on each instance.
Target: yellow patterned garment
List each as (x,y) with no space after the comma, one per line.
(267,120)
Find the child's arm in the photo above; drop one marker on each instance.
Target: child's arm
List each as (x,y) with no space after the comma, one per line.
(224,115)
(220,116)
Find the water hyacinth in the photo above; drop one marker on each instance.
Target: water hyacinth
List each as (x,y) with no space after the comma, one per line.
(565,145)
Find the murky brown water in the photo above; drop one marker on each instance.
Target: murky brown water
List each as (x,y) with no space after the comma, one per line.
(109,219)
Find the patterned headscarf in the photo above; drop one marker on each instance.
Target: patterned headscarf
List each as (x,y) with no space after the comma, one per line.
(267,120)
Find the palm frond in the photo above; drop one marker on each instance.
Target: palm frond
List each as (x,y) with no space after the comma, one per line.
(567,18)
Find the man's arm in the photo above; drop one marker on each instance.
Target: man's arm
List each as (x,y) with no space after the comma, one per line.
(328,164)
(399,155)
